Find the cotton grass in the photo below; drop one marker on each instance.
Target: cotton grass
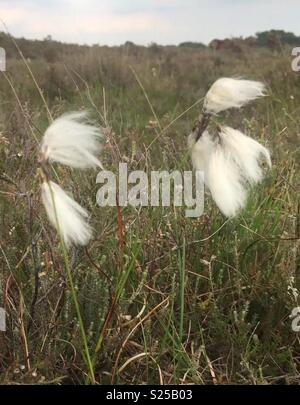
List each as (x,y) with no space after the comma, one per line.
(66,215)
(231,161)
(228,93)
(70,140)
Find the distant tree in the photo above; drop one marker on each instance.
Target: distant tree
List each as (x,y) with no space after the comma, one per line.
(129,44)
(48,38)
(190,44)
(232,45)
(250,41)
(274,38)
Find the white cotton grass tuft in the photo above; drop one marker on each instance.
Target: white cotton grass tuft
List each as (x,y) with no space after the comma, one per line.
(66,215)
(225,182)
(200,150)
(72,141)
(231,162)
(246,152)
(231,93)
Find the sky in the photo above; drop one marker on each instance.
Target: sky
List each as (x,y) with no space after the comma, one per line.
(113,22)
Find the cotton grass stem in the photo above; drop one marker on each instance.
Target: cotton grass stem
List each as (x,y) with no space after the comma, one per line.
(182,288)
(86,353)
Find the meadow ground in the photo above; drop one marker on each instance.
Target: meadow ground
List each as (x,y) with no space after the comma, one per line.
(163,298)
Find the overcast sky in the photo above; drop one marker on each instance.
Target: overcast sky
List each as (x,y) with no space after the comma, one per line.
(144,21)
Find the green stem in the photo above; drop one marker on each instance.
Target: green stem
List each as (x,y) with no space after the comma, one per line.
(86,352)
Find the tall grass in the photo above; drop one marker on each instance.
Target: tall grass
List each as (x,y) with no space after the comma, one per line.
(162,298)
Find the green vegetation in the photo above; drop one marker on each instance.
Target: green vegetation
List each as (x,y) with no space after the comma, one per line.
(163,298)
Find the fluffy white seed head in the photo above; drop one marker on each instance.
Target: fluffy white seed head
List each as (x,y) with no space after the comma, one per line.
(72,141)
(230,166)
(246,152)
(66,215)
(224,180)
(231,93)
(200,150)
